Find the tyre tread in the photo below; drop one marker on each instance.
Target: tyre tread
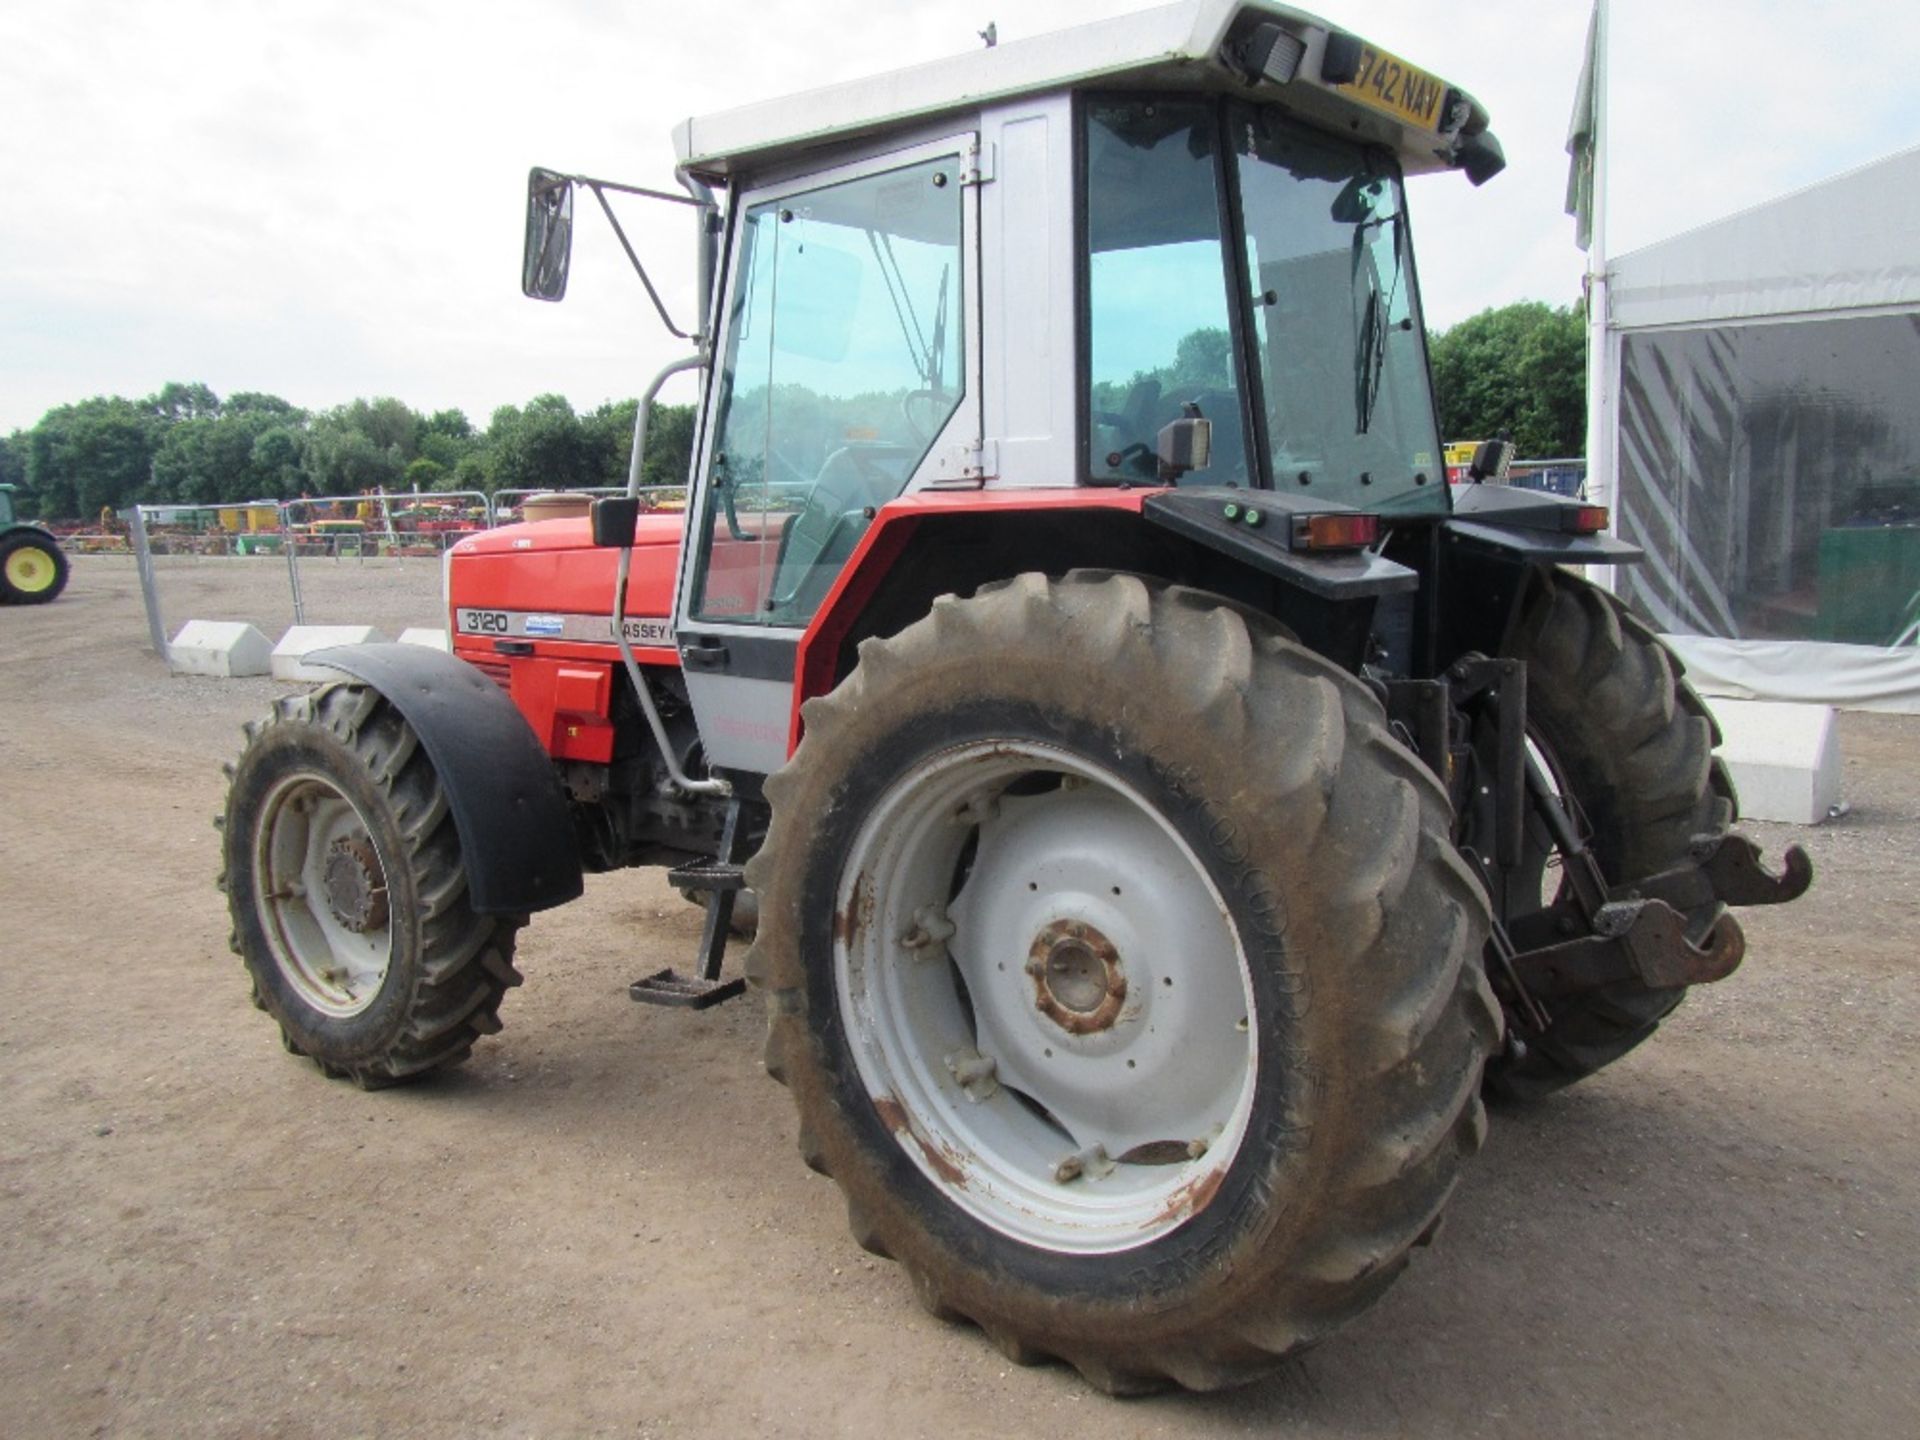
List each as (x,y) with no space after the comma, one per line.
(1613,703)
(466,964)
(1340,771)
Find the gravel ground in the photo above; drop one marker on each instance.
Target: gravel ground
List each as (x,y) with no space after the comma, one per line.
(600,1227)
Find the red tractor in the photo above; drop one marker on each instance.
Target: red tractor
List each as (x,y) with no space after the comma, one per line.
(1168,806)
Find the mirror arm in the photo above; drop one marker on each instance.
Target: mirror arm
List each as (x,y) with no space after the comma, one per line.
(624,189)
(708,252)
(599,188)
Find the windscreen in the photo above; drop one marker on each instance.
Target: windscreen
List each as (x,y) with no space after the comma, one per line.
(1337,335)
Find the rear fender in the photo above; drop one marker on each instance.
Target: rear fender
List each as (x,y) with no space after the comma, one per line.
(937,542)
(1533,525)
(818,665)
(516,835)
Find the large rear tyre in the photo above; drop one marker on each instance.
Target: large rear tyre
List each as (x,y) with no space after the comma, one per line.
(1125,977)
(33,569)
(348,897)
(1632,744)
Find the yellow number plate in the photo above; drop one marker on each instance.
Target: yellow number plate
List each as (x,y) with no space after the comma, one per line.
(1387,83)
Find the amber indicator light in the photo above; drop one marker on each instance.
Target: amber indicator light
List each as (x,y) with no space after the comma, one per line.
(1334,532)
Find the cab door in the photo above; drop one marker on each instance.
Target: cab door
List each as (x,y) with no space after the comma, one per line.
(847,376)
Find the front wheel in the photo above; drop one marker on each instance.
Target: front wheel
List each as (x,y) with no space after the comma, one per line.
(33,570)
(1125,977)
(348,897)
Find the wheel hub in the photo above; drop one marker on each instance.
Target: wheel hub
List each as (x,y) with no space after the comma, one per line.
(356,889)
(1077,979)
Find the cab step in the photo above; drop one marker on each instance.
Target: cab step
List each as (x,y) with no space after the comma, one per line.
(721,878)
(713,876)
(688,992)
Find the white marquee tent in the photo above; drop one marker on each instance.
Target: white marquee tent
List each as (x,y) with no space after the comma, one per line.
(1766,381)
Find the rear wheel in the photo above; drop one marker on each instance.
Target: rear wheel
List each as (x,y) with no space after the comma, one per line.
(1125,977)
(347,894)
(1632,746)
(33,570)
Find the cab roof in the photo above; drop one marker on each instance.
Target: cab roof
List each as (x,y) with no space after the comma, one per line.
(1223,46)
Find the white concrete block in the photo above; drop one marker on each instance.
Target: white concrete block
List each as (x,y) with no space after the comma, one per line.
(289,656)
(430,636)
(224,648)
(1784,758)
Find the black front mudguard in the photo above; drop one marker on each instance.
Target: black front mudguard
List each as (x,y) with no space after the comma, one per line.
(516,835)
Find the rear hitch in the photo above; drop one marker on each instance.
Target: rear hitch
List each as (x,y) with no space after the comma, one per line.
(1728,869)
(1731,863)
(1642,940)
(1640,932)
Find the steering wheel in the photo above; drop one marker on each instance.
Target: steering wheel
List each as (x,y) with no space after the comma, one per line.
(776,454)
(939,399)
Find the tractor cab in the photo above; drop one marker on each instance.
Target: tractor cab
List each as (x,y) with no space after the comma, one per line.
(1169,250)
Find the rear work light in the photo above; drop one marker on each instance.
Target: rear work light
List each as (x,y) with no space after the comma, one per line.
(1334,532)
(1590,518)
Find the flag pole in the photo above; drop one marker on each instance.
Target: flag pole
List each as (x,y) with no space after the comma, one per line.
(1601,432)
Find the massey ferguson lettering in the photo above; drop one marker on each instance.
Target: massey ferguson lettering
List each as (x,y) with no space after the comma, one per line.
(655,631)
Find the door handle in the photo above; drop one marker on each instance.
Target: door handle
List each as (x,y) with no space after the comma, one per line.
(703,654)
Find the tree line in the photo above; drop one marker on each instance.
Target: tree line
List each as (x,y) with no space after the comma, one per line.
(187,445)
(1518,371)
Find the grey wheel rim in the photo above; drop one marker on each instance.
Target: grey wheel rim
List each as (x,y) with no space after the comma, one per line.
(1045,997)
(323,896)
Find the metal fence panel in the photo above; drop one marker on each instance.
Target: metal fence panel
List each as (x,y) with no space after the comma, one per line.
(375,559)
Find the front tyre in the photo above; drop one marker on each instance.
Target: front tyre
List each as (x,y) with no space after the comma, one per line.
(348,897)
(33,569)
(1125,977)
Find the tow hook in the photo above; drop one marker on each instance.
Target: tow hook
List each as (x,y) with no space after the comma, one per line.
(1639,940)
(1731,863)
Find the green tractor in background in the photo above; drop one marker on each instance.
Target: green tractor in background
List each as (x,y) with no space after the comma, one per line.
(33,569)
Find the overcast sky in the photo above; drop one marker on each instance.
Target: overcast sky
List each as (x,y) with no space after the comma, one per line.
(324,201)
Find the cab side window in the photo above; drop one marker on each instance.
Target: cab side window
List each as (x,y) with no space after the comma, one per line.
(1159,333)
(844,362)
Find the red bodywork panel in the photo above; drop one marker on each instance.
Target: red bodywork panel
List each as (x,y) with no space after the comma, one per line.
(873,557)
(546,585)
(553,567)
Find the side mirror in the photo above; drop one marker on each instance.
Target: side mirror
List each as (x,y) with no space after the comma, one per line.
(612,518)
(1490,460)
(543,266)
(1184,444)
(1481,156)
